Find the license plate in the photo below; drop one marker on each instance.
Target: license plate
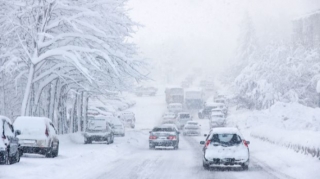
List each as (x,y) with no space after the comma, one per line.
(229,160)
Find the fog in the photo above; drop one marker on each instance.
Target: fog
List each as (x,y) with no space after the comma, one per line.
(177,35)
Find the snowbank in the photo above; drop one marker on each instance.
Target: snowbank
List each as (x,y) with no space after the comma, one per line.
(287,124)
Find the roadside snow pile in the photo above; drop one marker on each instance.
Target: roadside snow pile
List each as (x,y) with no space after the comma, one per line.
(287,124)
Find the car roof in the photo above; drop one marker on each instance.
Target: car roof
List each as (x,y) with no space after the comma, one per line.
(6,119)
(214,104)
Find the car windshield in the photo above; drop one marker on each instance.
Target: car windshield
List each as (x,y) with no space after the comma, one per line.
(226,139)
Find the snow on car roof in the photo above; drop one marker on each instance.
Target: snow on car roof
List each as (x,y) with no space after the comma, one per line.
(216,113)
(6,119)
(225,130)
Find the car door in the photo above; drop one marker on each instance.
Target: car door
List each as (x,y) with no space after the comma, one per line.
(12,139)
(53,133)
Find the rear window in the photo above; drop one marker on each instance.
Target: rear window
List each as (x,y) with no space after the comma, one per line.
(166,129)
(30,126)
(226,139)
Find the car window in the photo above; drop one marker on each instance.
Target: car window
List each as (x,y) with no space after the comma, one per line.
(8,130)
(52,129)
(226,139)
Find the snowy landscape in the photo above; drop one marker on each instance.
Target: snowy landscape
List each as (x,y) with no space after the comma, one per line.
(172,89)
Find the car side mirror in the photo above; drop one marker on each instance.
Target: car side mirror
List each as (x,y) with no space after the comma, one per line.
(205,135)
(150,132)
(202,142)
(18,132)
(248,142)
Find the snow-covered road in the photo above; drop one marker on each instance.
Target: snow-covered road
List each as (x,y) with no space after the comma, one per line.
(130,158)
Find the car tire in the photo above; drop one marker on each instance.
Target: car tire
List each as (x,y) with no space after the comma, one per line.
(205,166)
(8,160)
(112,137)
(16,157)
(151,147)
(87,141)
(245,167)
(56,152)
(49,153)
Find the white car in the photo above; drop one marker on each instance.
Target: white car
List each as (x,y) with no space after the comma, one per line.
(38,135)
(191,128)
(119,129)
(183,118)
(98,129)
(225,147)
(128,118)
(217,119)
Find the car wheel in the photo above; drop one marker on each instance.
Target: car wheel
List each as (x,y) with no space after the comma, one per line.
(205,166)
(49,153)
(123,135)
(17,156)
(245,167)
(56,152)
(87,141)
(8,160)
(112,139)
(151,147)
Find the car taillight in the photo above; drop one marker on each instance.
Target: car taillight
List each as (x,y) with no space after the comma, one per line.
(172,137)
(152,137)
(47,132)
(245,143)
(207,143)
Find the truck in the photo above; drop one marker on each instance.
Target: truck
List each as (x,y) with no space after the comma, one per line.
(174,95)
(194,98)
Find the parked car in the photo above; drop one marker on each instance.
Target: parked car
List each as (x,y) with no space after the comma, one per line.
(175,107)
(191,128)
(10,150)
(225,147)
(164,136)
(183,118)
(38,135)
(128,118)
(98,129)
(119,129)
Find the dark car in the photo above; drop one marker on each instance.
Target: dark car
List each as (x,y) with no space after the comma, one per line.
(205,112)
(164,136)
(9,143)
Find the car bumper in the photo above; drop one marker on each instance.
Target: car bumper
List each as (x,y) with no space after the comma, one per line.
(163,143)
(97,138)
(35,150)
(226,162)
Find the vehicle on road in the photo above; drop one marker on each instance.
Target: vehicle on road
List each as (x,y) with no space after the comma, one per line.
(175,107)
(183,118)
(225,147)
(98,129)
(169,117)
(10,150)
(146,91)
(164,136)
(174,95)
(128,119)
(194,98)
(191,128)
(38,135)
(118,129)
(217,119)
(206,111)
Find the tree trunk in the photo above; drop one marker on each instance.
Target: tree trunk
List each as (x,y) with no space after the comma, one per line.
(27,91)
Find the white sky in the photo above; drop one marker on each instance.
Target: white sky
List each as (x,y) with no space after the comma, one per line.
(186,33)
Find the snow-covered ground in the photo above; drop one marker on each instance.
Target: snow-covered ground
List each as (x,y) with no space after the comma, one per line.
(130,158)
